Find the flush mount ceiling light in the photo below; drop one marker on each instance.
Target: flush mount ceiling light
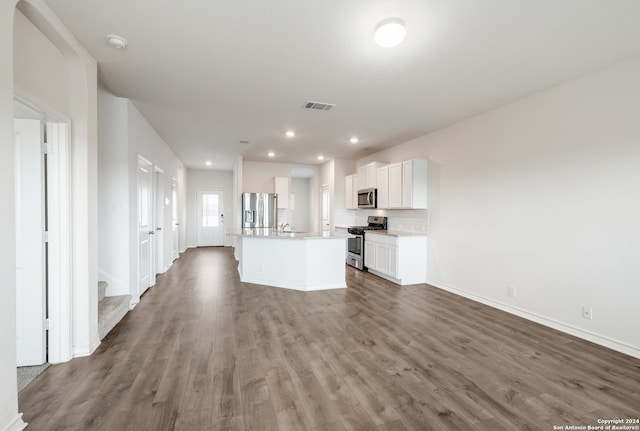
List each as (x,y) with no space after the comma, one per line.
(354,140)
(389,32)
(271,154)
(208,163)
(290,133)
(118,42)
(320,157)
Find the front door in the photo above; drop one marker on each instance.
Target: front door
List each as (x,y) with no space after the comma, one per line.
(145,226)
(30,246)
(209,218)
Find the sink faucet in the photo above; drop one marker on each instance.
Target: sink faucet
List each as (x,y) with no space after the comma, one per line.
(284,225)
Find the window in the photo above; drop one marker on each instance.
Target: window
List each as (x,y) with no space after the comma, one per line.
(210,209)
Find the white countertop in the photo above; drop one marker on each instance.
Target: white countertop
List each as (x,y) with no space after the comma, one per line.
(276,234)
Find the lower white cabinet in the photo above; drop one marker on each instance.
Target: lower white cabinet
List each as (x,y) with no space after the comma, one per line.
(401,259)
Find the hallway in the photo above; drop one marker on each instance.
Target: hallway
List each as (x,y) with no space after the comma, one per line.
(203,351)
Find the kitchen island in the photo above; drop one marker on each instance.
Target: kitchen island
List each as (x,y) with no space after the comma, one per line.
(294,260)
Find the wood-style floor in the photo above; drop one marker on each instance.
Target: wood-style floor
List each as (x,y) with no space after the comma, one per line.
(203,351)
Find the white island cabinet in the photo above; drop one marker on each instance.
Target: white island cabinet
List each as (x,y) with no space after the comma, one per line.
(293,260)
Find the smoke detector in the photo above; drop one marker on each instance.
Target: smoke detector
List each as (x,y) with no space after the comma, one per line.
(118,42)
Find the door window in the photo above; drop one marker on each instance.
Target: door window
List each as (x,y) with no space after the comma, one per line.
(210,210)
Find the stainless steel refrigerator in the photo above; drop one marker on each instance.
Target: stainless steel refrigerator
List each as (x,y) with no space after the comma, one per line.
(259,210)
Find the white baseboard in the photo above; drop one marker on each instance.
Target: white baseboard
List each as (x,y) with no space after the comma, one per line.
(79,352)
(610,343)
(17,424)
(292,286)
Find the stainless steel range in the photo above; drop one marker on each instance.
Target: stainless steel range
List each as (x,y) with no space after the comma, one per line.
(355,242)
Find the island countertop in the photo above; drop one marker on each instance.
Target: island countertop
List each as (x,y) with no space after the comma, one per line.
(275,233)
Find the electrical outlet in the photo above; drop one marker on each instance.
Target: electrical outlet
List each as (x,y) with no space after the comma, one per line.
(511,291)
(587,312)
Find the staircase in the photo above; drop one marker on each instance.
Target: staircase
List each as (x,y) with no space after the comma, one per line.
(111,309)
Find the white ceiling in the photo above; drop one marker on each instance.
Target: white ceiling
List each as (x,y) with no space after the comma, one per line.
(208,73)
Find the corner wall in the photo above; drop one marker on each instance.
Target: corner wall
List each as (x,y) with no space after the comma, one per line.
(543,195)
(113,189)
(9,418)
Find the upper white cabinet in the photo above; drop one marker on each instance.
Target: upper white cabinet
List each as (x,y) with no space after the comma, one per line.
(395,185)
(408,184)
(414,184)
(368,175)
(281,187)
(350,191)
(400,185)
(383,187)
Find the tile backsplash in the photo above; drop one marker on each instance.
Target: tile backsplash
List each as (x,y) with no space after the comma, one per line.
(403,220)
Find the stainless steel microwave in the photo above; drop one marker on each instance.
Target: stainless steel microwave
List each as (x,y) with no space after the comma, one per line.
(367,198)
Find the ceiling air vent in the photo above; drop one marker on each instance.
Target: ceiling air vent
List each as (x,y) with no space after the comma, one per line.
(319,106)
(243,142)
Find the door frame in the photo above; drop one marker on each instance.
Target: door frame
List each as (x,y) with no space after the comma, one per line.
(224,205)
(175,220)
(60,245)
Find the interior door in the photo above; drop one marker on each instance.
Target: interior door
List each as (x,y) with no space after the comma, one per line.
(174,218)
(326,208)
(145,226)
(158,247)
(209,218)
(30,245)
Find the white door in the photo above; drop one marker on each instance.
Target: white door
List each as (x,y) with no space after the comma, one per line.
(145,227)
(158,247)
(209,218)
(174,218)
(326,208)
(30,247)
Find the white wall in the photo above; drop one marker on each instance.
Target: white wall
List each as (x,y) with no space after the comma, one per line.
(302,190)
(78,104)
(258,178)
(145,141)
(9,394)
(543,194)
(40,37)
(113,189)
(212,180)
(40,71)
(333,173)
(124,135)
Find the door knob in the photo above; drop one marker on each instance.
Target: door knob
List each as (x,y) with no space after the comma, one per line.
(151,232)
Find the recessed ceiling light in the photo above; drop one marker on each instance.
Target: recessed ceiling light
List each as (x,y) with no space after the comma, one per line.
(208,163)
(116,41)
(354,140)
(320,157)
(389,32)
(290,133)
(271,154)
